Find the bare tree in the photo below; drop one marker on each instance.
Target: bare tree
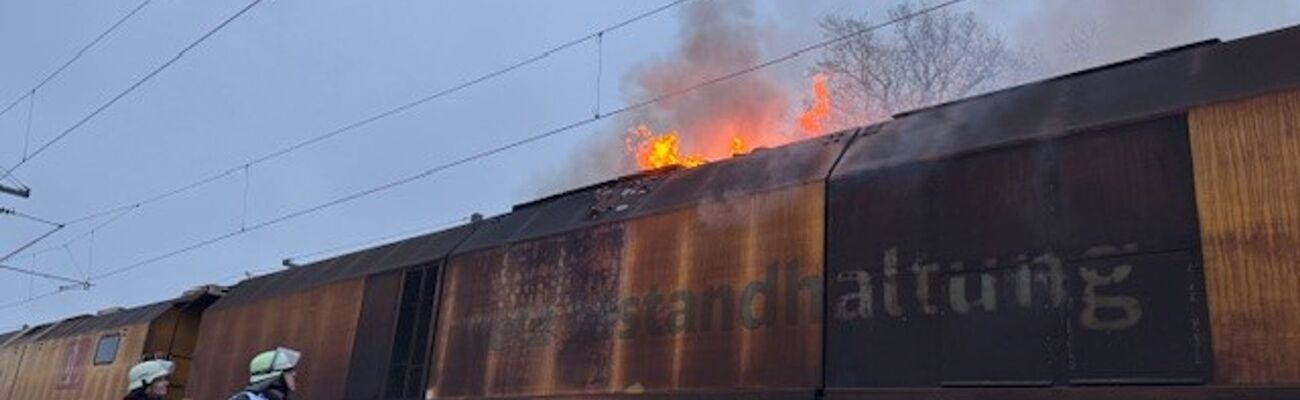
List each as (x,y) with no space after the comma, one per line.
(927,59)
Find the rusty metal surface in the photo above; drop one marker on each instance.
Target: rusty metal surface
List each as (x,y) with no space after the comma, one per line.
(642,305)
(369,362)
(661,191)
(4,337)
(321,322)
(971,269)
(388,257)
(1152,86)
(1073,393)
(63,367)
(1247,163)
(94,323)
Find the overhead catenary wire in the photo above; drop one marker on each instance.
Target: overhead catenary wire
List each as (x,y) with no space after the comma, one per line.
(134,86)
(485,153)
(244,167)
(88,233)
(521,142)
(479,79)
(32,92)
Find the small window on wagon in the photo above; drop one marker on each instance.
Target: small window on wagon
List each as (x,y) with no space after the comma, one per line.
(106,351)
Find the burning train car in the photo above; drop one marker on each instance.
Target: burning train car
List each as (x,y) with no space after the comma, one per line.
(1124,232)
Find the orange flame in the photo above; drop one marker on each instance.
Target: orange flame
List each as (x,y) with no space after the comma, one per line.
(812,121)
(737,146)
(653,151)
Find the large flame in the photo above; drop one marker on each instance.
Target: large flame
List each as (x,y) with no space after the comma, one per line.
(657,150)
(812,121)
(724,135)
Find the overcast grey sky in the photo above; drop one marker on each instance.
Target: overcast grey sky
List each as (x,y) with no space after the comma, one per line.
(290,70)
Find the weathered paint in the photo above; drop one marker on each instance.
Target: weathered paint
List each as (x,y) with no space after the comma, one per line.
(320,322)
(1247,163)
(995,268)
(721,297)
(63,367)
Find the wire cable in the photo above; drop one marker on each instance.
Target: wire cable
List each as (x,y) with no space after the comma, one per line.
(77,56)
(379,116)
(515,144)
(135,85)
(486,153)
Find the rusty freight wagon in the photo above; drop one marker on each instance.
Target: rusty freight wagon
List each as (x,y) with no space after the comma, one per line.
(87,357)
(351,316)
(1130,231)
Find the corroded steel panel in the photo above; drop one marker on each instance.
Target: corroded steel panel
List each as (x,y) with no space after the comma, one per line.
(721,297)
(374,339)
(1247,160)
(63,367)
(321,322)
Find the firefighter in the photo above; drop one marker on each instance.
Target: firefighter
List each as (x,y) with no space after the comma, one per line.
(148,380)
(271,375)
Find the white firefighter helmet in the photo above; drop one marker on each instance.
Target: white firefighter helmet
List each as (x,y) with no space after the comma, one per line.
(272,363)
(145,373)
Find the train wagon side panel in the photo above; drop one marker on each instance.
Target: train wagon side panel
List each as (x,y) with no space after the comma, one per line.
(321,322)
(721,297)
(1247,165)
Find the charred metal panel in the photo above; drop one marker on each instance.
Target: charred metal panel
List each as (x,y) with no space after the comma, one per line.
(875,299)
(1128,185)
(761,170)
(968,268)
(1138,319)
(994,332)
(374,336)
(642,306)
(1073,393)
(1149,87)
(497,231)
(993,204)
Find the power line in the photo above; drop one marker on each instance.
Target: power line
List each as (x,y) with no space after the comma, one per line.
(486,153)
(134,86)
(518,143)
(376,117)
(45,275)
(75,57)
(30,217)
(83,235)
(363,122)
